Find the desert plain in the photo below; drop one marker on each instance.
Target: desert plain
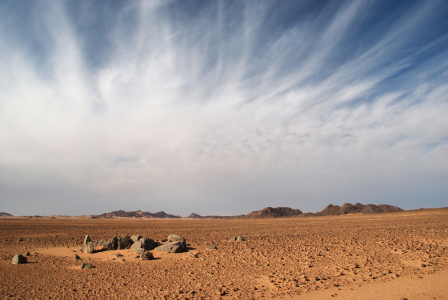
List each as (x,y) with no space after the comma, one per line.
(401,255)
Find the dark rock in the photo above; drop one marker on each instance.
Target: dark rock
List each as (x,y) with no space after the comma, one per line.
(192,255)
(177,238)
(148,244)
(135,238)
(86,266)
(118,255)
(173,247)
(112,244)
(77,257)
(27,254)
(146,256)
(124,242)
(19,259)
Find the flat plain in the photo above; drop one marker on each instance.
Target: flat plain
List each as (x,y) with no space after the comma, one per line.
(402,255)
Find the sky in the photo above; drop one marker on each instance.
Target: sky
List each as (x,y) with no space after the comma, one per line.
(222,107)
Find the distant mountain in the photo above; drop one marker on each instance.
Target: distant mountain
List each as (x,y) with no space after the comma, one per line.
(276,212)
(3,214)
(196,216)
(135,214)
(349,208)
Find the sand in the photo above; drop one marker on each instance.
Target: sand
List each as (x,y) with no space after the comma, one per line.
(386,256)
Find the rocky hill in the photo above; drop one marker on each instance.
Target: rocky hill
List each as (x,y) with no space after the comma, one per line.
(3,214)
(135,214)
(274,212)
(349,208)
(196,216)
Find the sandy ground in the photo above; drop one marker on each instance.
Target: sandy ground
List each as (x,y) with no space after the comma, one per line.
(388,256)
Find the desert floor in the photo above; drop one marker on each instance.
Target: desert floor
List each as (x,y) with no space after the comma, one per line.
(384,256)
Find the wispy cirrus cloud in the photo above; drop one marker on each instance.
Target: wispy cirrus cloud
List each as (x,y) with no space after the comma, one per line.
(223,107)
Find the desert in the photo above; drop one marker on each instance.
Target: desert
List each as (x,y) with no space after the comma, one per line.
(394,255)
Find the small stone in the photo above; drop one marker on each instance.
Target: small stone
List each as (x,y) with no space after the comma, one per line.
(192,255)
(146,256)
(19,259)
(424,265)
(77,257)
(86,266)
(27,254)
(118,255)
(213,247)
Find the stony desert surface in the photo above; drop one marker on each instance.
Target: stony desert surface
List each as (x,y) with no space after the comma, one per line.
(401,255)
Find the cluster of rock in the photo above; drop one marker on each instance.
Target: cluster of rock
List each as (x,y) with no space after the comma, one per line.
(141,245)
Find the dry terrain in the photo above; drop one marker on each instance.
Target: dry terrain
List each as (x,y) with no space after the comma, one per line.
(356,256)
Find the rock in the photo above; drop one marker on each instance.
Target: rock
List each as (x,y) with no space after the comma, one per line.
(87,239)
(124,242)
(177,238)
(89,247)
(100,243)
(173,247)
(137,245)
(27,254)
(148,244)
(86,266)
(77,257)
(118,255)
(19,259)
(139,250)
(135,238)
(146,256)
(192,255)
(237,239)
(213,247)
(112,244)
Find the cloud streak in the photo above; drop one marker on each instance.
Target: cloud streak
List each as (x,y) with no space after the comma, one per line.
(222,107)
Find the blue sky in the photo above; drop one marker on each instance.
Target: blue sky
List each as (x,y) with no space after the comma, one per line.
(222,107)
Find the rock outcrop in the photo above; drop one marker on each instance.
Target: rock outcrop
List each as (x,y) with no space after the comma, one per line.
(274,212)
(349,208)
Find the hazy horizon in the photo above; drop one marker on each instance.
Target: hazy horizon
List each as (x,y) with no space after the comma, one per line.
(222,107)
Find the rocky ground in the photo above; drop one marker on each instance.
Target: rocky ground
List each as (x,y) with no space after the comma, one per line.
(283,257)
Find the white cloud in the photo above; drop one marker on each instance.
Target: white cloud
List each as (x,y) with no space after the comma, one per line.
(180,117)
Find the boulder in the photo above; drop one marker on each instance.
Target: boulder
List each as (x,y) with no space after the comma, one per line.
(112,244)
(146,256)
(100,243)
(148,244)
(89,247)
(135,238)
(137,247)
(177,238)
(87,239)
(19,259)
(173,247)
(124,242)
